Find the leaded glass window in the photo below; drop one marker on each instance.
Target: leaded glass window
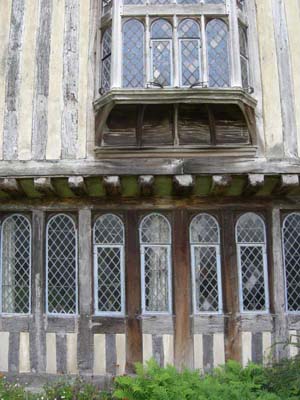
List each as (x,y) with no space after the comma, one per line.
(189,44)
(161,52)
(61,266)
(206,264)
(155,241)
(217,53)
(244,56)
(109,265)
(133,54)
(214,1)
(106,60)
(252,261)
(15,268)
(291,254)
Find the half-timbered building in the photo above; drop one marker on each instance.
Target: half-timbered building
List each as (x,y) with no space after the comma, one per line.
(149,184)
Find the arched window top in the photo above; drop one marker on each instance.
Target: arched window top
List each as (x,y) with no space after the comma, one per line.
(108,229)
(61,222)
(204,228)
(291,223)
(18,222)
(106,42)
(161,29)
(189,28)
(250,228)
(155,229)
(131,23)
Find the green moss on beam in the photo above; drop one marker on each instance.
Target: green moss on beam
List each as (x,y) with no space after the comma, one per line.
(202,185)
(269,185)
(95,186)
(163,186)
(27,184)
(61,187)
(130,186)
(237,186)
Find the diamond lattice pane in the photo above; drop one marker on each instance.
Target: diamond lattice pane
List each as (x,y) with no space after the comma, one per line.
(189,28)
(291,247)
(217,49)
(106,6)
(109,229)
(109,264)
(106,60)
(16,264)
(190,63)
(204,229)
(156,270)
(206,279)
(155,229)
(133,54)
(62,265)
(161,62)
(250,228)
(134,2)
(160,1)
(161,29)
(253,279)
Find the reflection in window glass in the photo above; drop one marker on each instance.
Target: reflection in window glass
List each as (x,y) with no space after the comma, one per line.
(106,60)
(218,54)
(161,52)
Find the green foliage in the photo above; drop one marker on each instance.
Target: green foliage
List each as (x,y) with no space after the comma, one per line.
(13,391)
(230,382)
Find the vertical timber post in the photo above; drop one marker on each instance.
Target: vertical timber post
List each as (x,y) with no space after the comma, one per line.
(134,337)
(37,334)
(85,337)
(278,301)
(183,339)
(231,290)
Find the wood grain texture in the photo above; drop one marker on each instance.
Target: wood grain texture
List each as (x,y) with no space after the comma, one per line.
(70,80)
(40,101)
(11,112)
(27,80)
(182,306)
(5,16)
(55,98)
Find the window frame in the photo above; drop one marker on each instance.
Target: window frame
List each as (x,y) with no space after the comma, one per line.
(122,269)
(103,58)
(168,246)
(284,264)
(217,246)
(263,246)
(76,313)
(6,217)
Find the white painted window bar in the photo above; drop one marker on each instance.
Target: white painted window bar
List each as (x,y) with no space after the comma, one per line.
(291,258)
(199,49)
(109,274)
(206,265)
(15,267)
(155,245)
(61,266)
(252,264)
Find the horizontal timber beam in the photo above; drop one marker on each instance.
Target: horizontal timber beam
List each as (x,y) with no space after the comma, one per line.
(135,186)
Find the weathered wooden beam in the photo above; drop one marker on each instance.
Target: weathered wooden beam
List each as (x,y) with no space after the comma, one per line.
(77,185)
(11,187)
(220,184)
(255,183)
(112,185)
(44,186)
(146,183)
(287,184)
(27,185)
(183,184)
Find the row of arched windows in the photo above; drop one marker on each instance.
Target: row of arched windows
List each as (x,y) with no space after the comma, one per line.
(155,240)
(198,52)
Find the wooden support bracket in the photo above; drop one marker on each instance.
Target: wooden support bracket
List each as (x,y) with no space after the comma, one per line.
(220,184)
(77,185)
(287,184)
(44,186)
(11,187)
(255,183)
(112,185)
(146,184)
(183,185)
